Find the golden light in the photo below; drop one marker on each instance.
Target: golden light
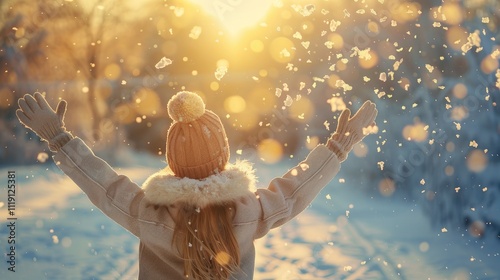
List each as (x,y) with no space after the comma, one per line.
(312,142)
(451,13)
(214,86)
(476,228)
(449,170)
(261,98)
(424,247)
(404,83)
(307,27)
(270,150)
(222,63)
(282,49)
(335,41)
(302,110)
(450,147)
(183,17)
(368,63)
(489,64)
(386,187)
(222,258)
(112,71)
(459,113)
(246,120)
(257,46)
(373,27)
(236,15)
(360,150)
(476,161)
(147,102)
(456,36)
(6,98)
(340,65)
(406,11)
(416,132)
(234,104)
(332,81)
(123,114)
(460,91)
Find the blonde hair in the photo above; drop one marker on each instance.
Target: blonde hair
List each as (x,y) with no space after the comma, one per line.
(206,241)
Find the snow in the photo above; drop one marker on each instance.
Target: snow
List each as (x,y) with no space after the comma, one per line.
(220,72)
(437,146)
(163,63)
(344,234)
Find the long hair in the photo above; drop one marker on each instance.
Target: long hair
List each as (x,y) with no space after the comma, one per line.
(206,241)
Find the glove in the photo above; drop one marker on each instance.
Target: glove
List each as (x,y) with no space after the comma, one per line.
(36,114)
(351,130)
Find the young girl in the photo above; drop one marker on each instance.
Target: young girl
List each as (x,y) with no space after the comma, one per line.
(198,217)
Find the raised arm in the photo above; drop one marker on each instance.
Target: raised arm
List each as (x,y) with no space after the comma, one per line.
(116,195)
(290,194)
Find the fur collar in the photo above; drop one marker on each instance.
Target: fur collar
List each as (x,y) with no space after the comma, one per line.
(164,188)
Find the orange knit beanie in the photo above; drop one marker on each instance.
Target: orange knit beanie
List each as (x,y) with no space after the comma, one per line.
(197,145)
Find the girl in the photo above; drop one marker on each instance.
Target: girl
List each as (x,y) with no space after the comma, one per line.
(198,217)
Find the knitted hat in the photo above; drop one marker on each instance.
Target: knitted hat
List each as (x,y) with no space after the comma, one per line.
(197,145)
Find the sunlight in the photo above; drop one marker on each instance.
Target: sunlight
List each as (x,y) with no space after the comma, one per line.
(236,15)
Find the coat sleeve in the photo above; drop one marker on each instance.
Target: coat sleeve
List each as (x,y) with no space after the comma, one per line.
(115,195)
(290,194)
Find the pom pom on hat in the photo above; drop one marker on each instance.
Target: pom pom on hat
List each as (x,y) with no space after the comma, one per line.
(185,107)
(197,145)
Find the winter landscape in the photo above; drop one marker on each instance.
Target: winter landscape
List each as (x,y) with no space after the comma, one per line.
(419,199)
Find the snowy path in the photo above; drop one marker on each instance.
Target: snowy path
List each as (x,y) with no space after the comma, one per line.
(62,236)
(375,239)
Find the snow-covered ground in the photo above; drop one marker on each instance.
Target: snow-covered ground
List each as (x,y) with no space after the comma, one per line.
(343,235)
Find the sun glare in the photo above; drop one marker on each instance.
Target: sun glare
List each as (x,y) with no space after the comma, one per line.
(236,15)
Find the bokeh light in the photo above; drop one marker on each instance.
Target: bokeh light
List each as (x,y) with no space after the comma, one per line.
(257,46)
(450,13)
(476,228)
(147,102)
(6,98)
(282,49)
(124,114)
(460,91)
(367,63)
(302,110)
(360,150)
(405,11)
(236,15)
(489,64)
(459,113)
(112,71)
(416,132)
(234,104)
(335,41)
(270,150)
(387,187)
(476,161)
(262,99)
(456,36)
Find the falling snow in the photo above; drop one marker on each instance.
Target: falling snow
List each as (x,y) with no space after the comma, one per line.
(337,104)
(288,101)
(163,63)
(220,72)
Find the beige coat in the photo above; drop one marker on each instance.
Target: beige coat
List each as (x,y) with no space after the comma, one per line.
(147,212)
